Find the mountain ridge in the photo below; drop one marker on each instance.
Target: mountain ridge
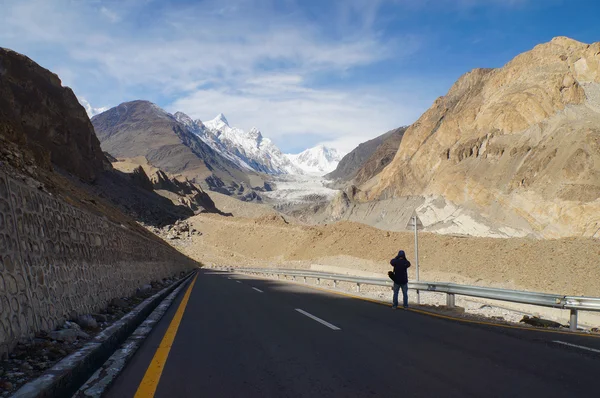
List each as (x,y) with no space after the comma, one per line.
(250,150)
(141,128)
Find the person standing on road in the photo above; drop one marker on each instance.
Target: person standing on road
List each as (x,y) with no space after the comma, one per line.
(401,265)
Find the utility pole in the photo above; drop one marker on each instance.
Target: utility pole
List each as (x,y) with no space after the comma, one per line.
(417,224)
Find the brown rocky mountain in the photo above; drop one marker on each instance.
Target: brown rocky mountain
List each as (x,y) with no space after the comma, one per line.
(519,144)
(45,119)
(140,128)
(350,164)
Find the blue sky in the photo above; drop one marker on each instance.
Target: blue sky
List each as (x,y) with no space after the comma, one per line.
(303,72)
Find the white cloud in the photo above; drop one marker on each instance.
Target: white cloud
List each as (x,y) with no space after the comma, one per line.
(290,113)
(259,66)
(91,111)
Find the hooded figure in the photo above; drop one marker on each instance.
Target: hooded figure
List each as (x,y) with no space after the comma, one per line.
(400,277)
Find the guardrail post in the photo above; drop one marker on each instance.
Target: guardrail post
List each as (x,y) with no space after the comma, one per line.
(573,323)
(450,300)
(358,287)
(334,283)
(318,281)
(278,276)
(304,279)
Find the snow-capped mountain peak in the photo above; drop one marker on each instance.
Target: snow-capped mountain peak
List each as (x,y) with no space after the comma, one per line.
(319,160)
(255,134)
(218,122)
(183,119)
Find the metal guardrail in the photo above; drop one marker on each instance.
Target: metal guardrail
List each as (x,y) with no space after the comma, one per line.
(572,303)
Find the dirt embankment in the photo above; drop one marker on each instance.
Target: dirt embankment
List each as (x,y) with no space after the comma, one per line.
(566,266)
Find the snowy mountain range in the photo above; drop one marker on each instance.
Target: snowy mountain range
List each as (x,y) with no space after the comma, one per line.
(252,151)
(319,160)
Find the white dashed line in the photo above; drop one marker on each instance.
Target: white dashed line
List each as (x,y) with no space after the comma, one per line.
(258,290)
(238,282)
(577,346)
(311,316)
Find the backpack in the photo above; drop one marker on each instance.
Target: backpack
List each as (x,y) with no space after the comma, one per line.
(392,276)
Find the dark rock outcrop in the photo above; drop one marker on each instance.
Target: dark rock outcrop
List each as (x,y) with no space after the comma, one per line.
(352,163)
(45,119)
(141,179)
(381,157)
(110,157)
(190,195)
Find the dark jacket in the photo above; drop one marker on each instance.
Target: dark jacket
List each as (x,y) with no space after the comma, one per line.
(401,266)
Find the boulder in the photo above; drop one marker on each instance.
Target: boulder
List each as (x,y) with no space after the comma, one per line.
(71,325)
(144,289)
(100,317)
(67,335)
(87,322)
(119,303)
(25,366)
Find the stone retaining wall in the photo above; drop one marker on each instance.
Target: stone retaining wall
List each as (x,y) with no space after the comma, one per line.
(57,261)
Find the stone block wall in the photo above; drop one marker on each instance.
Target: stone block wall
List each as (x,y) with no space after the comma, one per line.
(58,261)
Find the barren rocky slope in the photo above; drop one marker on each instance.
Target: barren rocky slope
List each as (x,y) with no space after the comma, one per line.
(518,144)
(381,157)
(352,163)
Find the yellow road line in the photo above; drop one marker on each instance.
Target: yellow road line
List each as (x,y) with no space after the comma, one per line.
(149,383)
(439,315)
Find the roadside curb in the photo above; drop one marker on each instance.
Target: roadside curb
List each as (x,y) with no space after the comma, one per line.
(64,378)
(104,377)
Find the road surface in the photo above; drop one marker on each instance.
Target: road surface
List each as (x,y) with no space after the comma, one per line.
(246,337)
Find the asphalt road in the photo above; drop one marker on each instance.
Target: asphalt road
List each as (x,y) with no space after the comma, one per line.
(246,337)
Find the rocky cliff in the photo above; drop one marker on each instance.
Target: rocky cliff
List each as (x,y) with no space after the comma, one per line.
(521,144)
(351,163)
(45,120)
(381,157)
